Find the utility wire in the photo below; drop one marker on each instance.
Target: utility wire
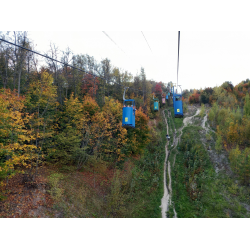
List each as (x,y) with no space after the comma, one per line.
(146,41)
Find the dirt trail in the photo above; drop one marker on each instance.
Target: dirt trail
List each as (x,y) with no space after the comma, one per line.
(166,199)
(204,124)
(188,120)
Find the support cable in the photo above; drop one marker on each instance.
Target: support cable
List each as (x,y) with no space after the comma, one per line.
(113,41)
(119,47)
(178,56)
(146,42)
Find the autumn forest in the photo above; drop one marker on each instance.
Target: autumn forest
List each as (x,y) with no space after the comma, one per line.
(65,153)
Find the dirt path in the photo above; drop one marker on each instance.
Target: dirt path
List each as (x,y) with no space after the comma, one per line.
(166,199)
(188,120)
(166,195)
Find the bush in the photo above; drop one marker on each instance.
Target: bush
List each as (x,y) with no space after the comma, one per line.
(55,190)
(160,125)
(218,144)
(185,107)
(202,112)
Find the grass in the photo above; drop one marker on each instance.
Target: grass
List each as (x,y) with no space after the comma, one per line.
(198,192)
(178,122)
(170,130)
(148,179)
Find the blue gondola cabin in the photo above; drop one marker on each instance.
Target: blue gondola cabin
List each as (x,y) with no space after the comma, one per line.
(178,106)
(128,113)
(156,106)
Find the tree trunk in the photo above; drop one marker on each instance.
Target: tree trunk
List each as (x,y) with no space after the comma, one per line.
(6,73)
(19,81)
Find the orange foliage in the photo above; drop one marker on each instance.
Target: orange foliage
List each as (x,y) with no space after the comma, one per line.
(15,138)
(90,85)
(194,98)
(139,137)
(90,107)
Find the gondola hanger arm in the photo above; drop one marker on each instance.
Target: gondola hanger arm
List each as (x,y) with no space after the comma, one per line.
(124,93)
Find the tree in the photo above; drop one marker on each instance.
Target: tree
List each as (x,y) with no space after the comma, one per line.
(158,88)
(16,148)
(211,115)
(247,105)
(90,85)
(202,112)
(218,144)
(40,104)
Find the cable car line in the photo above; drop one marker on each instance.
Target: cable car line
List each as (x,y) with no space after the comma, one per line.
(146,41)
(50,58)
(177,98)
(113,41)
(178,55)
(119,47)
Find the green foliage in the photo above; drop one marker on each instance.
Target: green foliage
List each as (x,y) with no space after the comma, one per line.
(247,105)
(215,108)
(67,147)
(198,192)
(139,137)
(238,116)
(208,136)
(160,125)
(178,122)
(185,107)
(211,115)
(55,189)
(202,112)
(222,114)
(218,144)
(240,164)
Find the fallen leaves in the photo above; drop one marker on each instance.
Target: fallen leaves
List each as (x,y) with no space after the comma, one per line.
(24,201)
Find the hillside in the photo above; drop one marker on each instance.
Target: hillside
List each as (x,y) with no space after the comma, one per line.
(65,152)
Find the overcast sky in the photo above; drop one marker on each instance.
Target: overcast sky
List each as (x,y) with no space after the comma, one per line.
(207,58)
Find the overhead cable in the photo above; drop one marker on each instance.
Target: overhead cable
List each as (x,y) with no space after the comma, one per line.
(118,46)
(113,41)
(146,42)
(178,56)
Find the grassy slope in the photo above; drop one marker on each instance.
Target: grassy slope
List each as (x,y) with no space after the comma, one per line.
(197,190)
